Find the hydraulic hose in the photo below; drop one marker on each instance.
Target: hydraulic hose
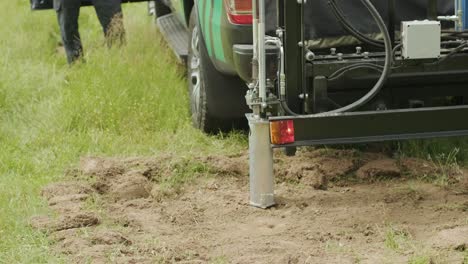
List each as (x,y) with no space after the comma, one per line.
(391,19)
(344,70)
(456,50)
(383,77)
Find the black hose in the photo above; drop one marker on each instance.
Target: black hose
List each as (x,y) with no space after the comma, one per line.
(355,67)
(387,66)
(391,19)
(350,29)
(383,77)
(453,52)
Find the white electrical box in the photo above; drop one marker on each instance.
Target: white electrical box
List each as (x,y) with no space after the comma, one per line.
(420,39)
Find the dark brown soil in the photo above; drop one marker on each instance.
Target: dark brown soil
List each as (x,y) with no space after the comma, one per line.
(381,168)
(333,206)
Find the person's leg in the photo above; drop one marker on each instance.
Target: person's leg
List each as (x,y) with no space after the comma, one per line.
(110,15)
(68,12)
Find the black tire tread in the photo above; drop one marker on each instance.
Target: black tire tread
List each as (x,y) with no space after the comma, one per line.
(229,101)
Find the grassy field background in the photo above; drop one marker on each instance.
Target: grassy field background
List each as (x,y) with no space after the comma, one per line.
(122,102)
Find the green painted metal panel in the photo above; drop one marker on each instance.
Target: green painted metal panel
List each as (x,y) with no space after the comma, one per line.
(207,26)
(216,30)
(200,9)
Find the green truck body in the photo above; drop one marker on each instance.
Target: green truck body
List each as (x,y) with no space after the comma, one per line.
(217,51)
(219,34)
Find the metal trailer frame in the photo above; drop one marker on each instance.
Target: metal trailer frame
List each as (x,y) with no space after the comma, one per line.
(305,84)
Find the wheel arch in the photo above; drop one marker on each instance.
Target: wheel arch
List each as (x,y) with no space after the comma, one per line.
(224,104)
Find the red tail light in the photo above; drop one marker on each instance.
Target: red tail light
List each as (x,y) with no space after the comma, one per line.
(282,132)
(239,11)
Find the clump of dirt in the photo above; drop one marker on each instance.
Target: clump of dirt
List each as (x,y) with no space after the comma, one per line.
(129,187)
(71,198)
(101,167)
(69,203)
(317,168)
(377,169)
(41,222)
(65,188)
(82,219)
(159,192)
(406,195)
(233,165)
(125,211)
(65,221)
(461,247)
(107,237)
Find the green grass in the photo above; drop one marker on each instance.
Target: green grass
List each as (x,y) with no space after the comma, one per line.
(446,149)
(420,260)
(122,102)
(396,239)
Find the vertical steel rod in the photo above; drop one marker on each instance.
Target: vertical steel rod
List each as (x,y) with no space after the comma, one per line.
(255,33)
(261,52)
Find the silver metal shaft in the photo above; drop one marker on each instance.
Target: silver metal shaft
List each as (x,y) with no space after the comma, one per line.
(261,52)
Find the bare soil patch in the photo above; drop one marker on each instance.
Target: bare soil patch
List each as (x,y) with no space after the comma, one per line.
(334,206)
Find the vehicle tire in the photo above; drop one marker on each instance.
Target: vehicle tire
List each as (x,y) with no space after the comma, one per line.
(217,100)
(161,9)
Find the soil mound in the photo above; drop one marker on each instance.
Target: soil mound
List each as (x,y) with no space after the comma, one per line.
(382,168)
(65,221)
(65,188)
(107,237)
(82,219)
(130,187)
(170,209)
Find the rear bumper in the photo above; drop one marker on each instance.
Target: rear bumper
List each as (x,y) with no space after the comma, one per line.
(374,126)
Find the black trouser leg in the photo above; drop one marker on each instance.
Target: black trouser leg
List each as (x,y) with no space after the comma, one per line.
(110,15)
(68,12)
